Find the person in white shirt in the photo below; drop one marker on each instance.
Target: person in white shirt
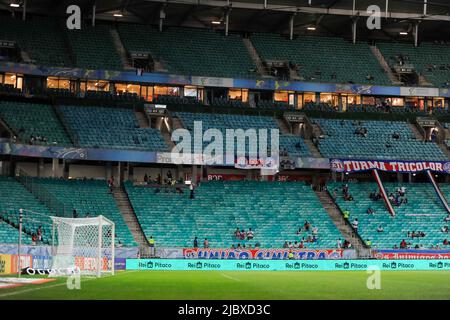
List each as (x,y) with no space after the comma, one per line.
(249,234)
(315,230)
(355,224)
(380,228)
(339,244)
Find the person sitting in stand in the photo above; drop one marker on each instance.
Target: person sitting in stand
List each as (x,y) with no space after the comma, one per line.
(447,218)
(242,235)
(444,229)
(307,225)
(315,230)
(249,234)
(403,244)
(237,233)
(370,211)
(285,245)
(380,228)
(445,242)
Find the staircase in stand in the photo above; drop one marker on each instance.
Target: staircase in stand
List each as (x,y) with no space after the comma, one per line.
(129,216)
(255,57)
(120,48)
(383,63)
(343,226)
(284,129)
(314,150)
(142,119)
(419,136)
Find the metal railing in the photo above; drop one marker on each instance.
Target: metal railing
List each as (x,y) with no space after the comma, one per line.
(50,201)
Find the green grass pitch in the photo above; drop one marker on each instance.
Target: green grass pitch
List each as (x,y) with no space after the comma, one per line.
(217,285)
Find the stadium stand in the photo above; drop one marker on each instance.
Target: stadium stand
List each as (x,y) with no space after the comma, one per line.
(89,196)
(428,59)
(294,145)
(189,51)
(111,128)
(323,59)
(423,212)
(93,48)
(39,37)
(9,234)
(220,207)
(340,140)
(14,196)
(29,120)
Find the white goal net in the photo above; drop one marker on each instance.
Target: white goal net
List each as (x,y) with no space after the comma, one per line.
(84,245)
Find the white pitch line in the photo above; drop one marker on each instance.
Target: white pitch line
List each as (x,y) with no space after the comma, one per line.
(58,284)
(230,277)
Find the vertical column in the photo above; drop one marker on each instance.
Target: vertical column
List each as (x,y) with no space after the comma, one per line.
(55,167)
(40,168)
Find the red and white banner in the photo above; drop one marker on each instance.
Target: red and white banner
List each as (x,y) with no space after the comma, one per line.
(346,165)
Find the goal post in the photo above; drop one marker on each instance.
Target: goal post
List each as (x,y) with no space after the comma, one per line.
(84,245)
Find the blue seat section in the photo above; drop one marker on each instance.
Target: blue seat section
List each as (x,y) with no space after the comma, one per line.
(32,120)
(323,59)
(423,212)
(90,196)
(9,234)
(294,145)
(190,51)
(99,127)
(14,196)
(341,141)
(274,211)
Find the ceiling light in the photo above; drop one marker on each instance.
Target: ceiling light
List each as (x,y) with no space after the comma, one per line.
(403,33)
(312,28)
(215,22)
(14,5)
(118,15)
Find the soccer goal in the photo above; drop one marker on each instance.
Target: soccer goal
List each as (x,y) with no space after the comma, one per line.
(84,245)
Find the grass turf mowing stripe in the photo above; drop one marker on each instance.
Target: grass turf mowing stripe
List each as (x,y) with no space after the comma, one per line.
(212,285)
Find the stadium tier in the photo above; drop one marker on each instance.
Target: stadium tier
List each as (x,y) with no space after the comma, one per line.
(343,139)
(34,123)
(429,59)
(273,210)
(199,52)
(422,212)
(323,59)
(90,198)
(294,145)
(39,37)
(99,127)
(93,48)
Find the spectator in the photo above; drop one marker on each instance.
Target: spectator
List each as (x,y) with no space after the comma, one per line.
(87,214)
(290,255)
(242,235)
(444,229)
(368,243)
(395,135)
(34,239)
(151,244)
(195,242)
(445,242)
(285,245)
(192,194)
(299,230)
(206,243)
(307,225)
(346,214)
(146,179)
(370,211)
(339,243)
(380,228)
(74,213)
(355,224)
(447,218)
(249,234)
(237,233)
(403,244)
(315,230)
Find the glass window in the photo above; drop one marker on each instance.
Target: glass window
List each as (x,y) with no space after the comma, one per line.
(10,78)
(190,91)
(97,85)
(281,96)
(309,97)
(235,94)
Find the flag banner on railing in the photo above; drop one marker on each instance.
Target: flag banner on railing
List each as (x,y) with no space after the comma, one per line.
(350,165)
